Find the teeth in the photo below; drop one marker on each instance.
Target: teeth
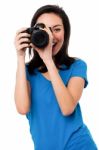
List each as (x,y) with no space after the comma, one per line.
(53,43)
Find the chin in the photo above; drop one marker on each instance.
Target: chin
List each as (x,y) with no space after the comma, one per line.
(54,52)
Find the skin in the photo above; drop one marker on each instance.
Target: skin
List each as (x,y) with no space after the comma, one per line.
(56,36)
(67,97)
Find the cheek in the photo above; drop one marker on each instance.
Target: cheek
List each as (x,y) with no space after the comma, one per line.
(61,37)
(61,40)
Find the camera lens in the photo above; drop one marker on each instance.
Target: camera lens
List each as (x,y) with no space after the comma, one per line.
(40,38)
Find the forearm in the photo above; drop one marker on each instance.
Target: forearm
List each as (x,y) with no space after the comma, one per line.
(21,88)
(64,98)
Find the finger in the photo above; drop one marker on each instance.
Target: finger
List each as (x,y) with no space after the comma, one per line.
(21,35)
(24,40)
(21,30)
(32,45)
(49,33)
(22,46)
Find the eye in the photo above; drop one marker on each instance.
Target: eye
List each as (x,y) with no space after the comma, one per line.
(57,29)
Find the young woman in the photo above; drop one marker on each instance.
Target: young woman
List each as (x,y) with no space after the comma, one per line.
(49,87)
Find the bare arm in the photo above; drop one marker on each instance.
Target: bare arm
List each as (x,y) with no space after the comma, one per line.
(22,86)
(69,96)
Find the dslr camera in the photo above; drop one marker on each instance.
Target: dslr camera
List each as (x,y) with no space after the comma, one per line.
(39,37)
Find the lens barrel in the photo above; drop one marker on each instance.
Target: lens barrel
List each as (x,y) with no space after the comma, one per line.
(39,37)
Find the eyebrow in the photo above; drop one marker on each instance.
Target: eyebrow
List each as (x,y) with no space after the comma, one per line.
(52,26)
(56,25)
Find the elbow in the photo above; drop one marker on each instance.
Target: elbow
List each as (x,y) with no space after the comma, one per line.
(67,112)
(22,111)
(22,107)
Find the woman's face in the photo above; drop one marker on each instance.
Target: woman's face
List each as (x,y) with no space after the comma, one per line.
(54,22)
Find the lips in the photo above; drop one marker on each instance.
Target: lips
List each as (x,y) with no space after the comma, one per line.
(54,47)
(54,44)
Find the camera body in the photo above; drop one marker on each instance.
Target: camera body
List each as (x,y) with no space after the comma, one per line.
(39,37)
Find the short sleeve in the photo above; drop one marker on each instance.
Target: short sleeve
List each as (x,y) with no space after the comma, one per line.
(79,68)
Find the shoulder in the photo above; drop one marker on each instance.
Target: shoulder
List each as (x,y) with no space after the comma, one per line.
(79,69)
(79,63)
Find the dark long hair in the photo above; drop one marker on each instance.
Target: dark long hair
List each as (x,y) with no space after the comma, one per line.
(62,56)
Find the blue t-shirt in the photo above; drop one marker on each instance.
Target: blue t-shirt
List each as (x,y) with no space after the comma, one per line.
(51,130)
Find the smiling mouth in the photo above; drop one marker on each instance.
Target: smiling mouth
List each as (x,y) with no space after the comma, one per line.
(54,44)
(54,47)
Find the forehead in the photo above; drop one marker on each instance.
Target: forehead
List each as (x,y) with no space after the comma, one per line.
(50,19)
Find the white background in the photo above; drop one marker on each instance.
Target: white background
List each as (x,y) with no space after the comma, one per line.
(84,43)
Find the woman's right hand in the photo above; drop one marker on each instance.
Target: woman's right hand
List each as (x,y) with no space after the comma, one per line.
(22,41)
